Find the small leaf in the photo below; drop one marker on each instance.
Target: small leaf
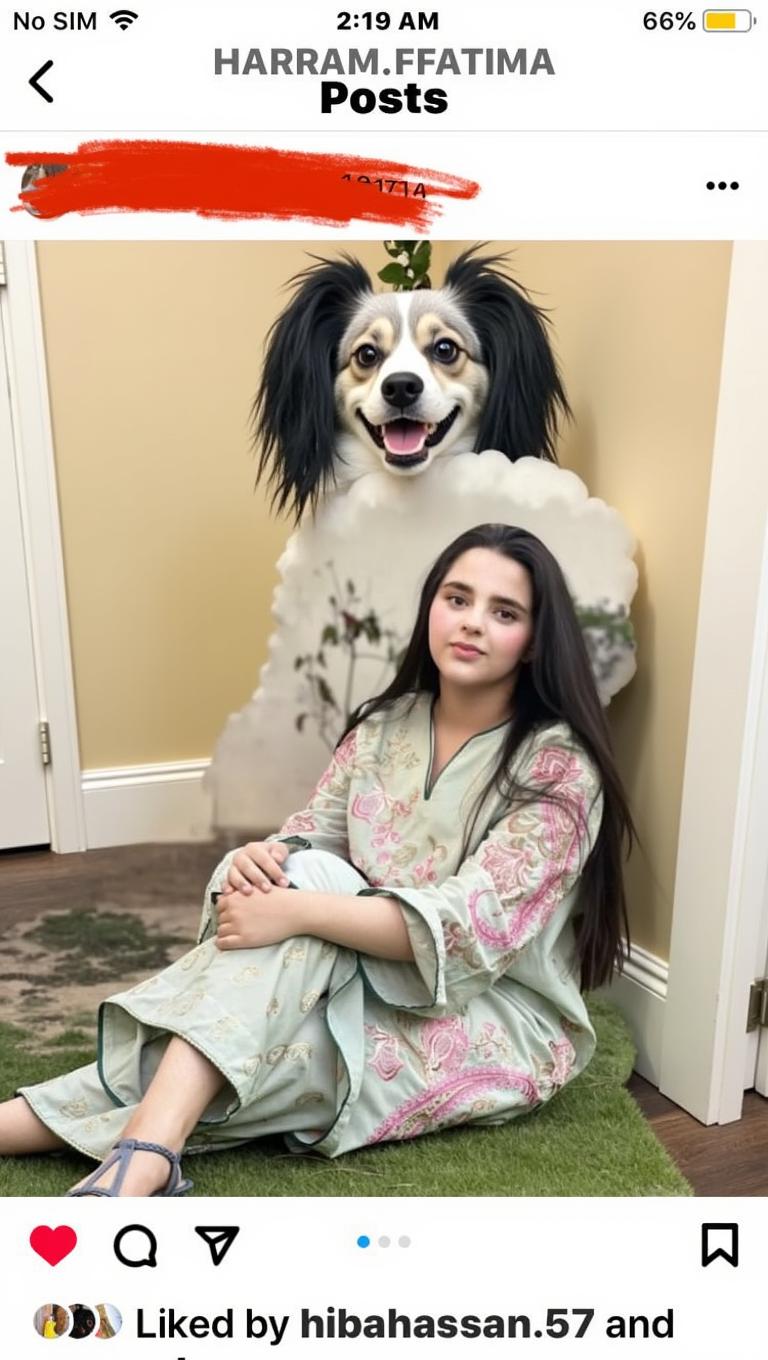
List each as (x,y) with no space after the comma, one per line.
(300,721)
(422,257)
(393,273)
(326,693)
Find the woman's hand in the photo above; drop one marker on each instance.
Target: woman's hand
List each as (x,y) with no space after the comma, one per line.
(250,922)
(258,864)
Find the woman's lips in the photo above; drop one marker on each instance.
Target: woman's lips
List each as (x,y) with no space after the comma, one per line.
(466,651)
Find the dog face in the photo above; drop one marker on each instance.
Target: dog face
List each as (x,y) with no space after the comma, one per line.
(356,381)
(410,383)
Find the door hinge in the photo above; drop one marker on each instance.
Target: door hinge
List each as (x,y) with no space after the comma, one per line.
(757,1015)
(45,742)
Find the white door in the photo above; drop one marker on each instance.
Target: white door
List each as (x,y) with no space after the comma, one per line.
(761,1064)
(23,808)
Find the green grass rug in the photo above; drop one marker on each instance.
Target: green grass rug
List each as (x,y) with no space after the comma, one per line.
(590,1140)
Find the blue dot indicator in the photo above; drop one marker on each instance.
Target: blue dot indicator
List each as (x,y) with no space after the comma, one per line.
(363,1241)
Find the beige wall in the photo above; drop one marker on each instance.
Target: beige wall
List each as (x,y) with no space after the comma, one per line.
(153,353)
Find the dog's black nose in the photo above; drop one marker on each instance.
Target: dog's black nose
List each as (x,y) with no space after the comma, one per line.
(402,389)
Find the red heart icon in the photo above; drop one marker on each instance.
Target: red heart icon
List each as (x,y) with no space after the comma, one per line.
(53,1244)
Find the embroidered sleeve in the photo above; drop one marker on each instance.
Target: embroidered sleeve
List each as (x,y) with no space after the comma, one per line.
(322,824)
(476,924)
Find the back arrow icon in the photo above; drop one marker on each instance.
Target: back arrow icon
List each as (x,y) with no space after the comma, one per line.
(34,79)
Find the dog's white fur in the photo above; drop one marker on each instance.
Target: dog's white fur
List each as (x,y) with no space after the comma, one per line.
(406,327)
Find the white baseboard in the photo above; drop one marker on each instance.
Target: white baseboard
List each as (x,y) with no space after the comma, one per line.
(640,993)
(144,803)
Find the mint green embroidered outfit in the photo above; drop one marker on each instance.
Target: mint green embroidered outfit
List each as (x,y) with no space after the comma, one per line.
(337,1049)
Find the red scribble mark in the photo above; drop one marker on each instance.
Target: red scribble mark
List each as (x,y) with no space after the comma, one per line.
(234,182)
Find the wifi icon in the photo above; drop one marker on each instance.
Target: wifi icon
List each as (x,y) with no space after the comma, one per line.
(124,18)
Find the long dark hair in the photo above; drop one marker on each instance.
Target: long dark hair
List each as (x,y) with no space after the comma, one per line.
(556,685)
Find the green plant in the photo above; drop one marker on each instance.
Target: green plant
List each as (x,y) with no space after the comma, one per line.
(352,624)
(608,634)
(411,265)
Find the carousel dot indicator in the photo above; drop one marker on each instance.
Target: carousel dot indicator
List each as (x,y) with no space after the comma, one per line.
(384,1242)
(403,1241)
(363,1241)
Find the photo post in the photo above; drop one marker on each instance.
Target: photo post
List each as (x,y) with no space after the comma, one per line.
(384,725)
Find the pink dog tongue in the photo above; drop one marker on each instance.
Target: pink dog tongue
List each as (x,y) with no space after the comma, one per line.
(404,436)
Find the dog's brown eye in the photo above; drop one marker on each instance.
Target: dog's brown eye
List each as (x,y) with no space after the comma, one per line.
(367,356)
(445,351)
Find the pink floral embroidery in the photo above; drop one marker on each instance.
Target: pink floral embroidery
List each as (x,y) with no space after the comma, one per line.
(445,1044)
(549,844)
(509,865)
(345,754)
(401,870)
(462,944)
(298,823)
(367,806)
(564,1056)
(557,763)
(341,763)
(442,1104)
(455,937)
(385,1059)
(426,871)
(333,782)
(492,1041)
(381,812)
(530,915)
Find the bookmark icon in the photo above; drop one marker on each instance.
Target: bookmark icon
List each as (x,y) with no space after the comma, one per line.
(218,1241)
(720,1239)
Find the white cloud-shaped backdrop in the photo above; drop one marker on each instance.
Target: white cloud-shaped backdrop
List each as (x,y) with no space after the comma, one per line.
(346,603)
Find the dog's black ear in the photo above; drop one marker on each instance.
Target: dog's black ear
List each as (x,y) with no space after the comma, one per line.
(525,392)
(294,415)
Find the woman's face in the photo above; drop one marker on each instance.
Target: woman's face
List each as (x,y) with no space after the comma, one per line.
(485,600)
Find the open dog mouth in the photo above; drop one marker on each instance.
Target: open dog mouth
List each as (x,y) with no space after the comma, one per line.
(405,442)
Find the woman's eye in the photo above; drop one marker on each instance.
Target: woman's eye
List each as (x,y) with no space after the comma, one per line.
(367,356)
(445,351)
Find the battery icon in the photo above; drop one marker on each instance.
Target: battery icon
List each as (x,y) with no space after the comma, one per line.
(727,20)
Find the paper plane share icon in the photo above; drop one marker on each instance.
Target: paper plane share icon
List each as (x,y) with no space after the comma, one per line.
(218,1241)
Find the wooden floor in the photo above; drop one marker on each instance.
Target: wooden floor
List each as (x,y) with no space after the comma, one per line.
(728,1159)
(722,1159)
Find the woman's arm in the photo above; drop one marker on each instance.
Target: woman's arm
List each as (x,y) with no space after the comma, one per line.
(371,925)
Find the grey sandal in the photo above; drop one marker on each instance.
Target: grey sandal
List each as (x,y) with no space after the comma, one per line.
(121,1154)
